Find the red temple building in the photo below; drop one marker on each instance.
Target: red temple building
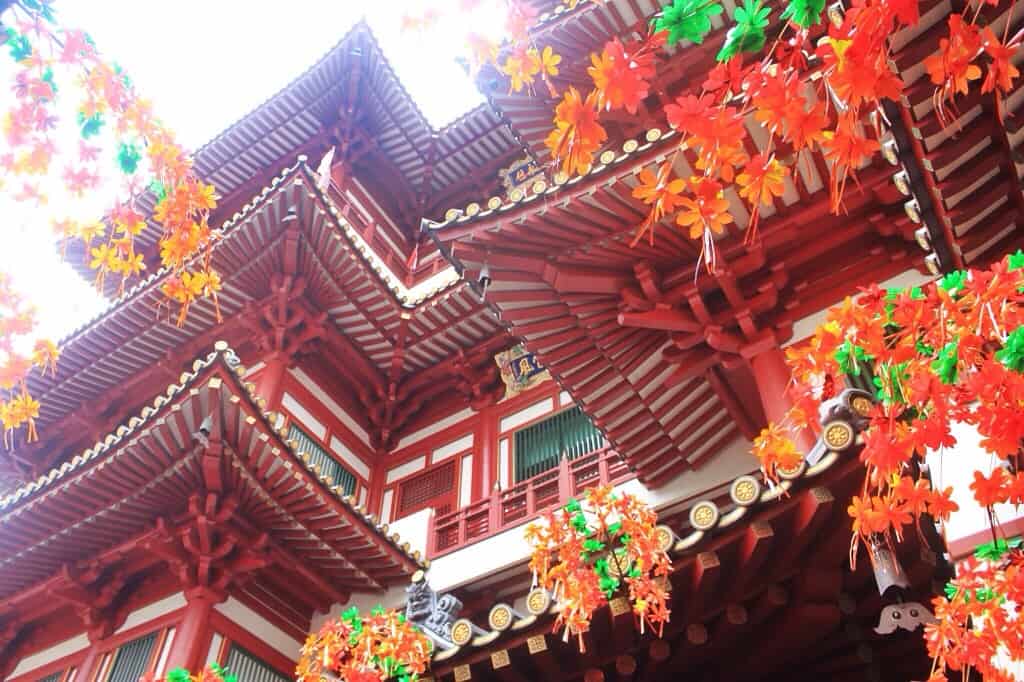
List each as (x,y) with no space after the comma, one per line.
(398,386)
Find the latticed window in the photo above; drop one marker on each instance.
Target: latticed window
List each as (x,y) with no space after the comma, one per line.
(248,668)
(432,488)
(317,455)
(132,659)
(52,677)
(539,447)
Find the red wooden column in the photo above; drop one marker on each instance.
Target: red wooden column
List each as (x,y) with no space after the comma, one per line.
(485,460)
(192,635)
(772,377)
(87,668)
(271,379)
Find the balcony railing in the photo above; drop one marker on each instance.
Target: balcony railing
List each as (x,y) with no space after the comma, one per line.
(504,509)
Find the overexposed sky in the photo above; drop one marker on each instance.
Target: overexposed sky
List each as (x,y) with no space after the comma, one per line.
(204,64)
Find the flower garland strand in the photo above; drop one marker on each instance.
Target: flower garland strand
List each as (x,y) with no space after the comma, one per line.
(50,59)
(379,646)
(586,552)
(949,352)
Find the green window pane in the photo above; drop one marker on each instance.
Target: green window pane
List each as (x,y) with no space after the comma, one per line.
(248,668)
(539,447)
(131,659)
(317,455)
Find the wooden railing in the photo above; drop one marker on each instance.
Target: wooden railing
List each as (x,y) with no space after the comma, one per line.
(504,509)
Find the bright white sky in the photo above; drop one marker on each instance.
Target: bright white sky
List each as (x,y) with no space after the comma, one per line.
(206,63)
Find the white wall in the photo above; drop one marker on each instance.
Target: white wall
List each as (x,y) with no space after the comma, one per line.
(55,652)
(260,627)
(955,467)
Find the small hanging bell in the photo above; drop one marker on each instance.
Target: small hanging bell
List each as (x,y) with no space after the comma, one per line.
(889,574)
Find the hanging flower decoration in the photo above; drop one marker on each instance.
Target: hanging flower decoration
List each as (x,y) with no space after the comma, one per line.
(114,124)
(379,646)
(951,351)
(593,549)
(978,622)
(213,672)
(812,86)
(18,357)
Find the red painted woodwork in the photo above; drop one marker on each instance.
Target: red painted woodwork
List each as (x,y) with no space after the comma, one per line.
(772,377)
(505,509)
(192,635)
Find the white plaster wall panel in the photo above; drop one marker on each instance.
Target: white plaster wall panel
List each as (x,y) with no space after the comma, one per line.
(466,481)
(303,416)
(154,610)
(350,458)
(436,427)
(955,467)
(385,505)
(456,446)
(504,464)
(165,652)
(314,388)
(214,650)
(403,470)
(413,529)
(538,409)
(564,399)
(260,627)
(362,495)
(51,654)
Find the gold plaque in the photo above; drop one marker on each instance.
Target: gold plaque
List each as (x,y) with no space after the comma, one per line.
(838,435)
(499,659)
(500,617)
(861,405)
(538,601)
(537,644)
(619,606)
(462,632)
(666,538)
(745,491)
(463,673)
(704,515)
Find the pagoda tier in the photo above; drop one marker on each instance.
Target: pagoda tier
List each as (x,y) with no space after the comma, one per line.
(300,288)
(353,100)
(668,359)
(761,590)
(966,155)
(963,160)
(198,492)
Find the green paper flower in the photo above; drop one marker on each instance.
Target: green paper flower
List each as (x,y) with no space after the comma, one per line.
(178,675)
(851,358)
(956,281)
(91,126)
(128,157)
(891,391)
(579,522)
(804,13)
(18,45)
(945,365)
(1012,352)
(689,19)
(995,550)
(573,506)
(748,33)
(1015,261)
